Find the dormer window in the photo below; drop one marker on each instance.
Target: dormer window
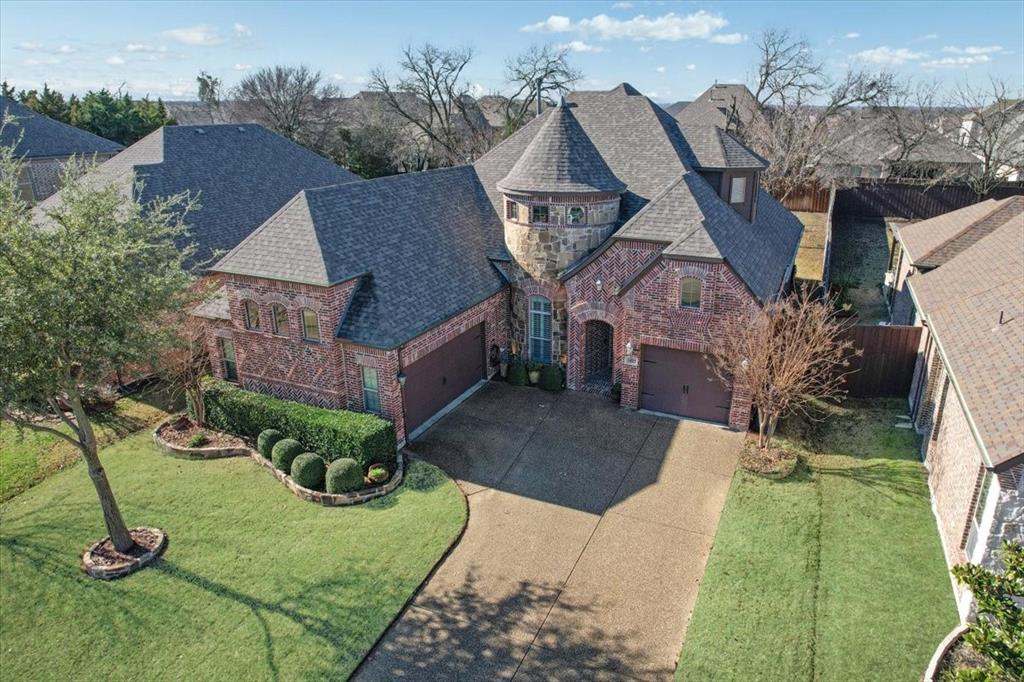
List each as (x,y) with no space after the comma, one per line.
(511,210)
(575,216)
(738,191)
(538,214)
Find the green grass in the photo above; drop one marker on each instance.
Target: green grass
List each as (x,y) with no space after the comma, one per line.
(256,584)
(27,457)
(835,573)
(860,258)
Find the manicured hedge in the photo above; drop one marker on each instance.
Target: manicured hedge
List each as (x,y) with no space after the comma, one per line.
(284,453)
(267,440)
(332,434)
(308,470)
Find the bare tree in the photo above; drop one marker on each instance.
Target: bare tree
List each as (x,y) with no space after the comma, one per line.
(545,65)
(186,361)
(786,354)
(293,101)
(432,95)
(802,110)
(992,131)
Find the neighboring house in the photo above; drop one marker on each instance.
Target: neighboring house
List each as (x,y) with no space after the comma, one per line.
(600,237)
(45,146)
(1006,118)
(967,398)
(240,175)
(676,107)
(725,105)
(928,244)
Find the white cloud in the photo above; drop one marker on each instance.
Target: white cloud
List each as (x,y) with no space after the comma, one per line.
(852,35)
(691,67)
(143,47)
(956,62)
(929,36)
(889,55)
(646,48)
(729,38)
(30,47)
(200,34)
(115,60)
(987,49)
(37,61)
(660,69)
(242,30)
(242,67)
(622,5)
(580,46)
(65,49)
(671,26)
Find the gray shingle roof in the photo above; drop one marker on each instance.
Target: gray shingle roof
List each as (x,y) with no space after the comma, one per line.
(561,158)
(41,136)
(241,174)
(962,302)
(715,149)
(713,106)
(421,242)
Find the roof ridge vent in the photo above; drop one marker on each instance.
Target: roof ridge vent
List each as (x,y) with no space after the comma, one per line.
(200,131)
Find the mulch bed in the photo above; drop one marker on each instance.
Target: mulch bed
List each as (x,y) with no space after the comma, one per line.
(181,431)
(960,657)
(105,555)
(773,462)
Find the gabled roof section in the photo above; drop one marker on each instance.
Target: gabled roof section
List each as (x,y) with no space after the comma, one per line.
(930,243)
(716,149)
(974,306)
(715,105)
(240,175)
(561,158)
(420,241)
(41,136)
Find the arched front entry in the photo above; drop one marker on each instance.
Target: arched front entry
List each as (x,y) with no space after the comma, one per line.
(597,355)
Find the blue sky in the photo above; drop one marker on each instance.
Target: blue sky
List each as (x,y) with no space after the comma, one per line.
(669,50)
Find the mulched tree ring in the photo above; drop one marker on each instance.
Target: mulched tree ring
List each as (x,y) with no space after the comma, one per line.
(774,463)
(179,432)
(103,561)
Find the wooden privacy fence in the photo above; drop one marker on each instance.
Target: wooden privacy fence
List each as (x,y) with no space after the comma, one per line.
(885,369)
(910,201)
(809,199)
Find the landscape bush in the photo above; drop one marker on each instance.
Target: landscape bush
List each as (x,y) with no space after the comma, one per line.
(284,453)
(344,476)
(551,378)
(517,373)
(308,470)
(266,441)
(332,434)
(197,441)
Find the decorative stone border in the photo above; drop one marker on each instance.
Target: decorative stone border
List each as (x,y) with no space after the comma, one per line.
(211,452)
(333,499)
(126,568)
(940,652)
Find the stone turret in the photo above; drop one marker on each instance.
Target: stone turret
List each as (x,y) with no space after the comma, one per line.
(561,198)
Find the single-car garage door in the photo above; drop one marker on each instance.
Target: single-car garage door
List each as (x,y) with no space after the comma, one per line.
(679,382)
(442,375)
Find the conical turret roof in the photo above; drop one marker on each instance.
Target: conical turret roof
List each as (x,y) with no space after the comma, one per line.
(561,158)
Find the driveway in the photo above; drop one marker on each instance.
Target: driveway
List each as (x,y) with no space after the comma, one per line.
(589,528)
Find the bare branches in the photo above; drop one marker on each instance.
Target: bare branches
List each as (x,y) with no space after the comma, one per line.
(293,101)
(786,354)
(992,132)
(545,64)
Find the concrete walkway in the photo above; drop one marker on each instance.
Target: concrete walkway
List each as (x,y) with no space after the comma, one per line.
(589,528)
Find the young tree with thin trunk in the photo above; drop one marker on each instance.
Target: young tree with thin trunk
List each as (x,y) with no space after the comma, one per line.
(87,288)
(186,361)
(786,354)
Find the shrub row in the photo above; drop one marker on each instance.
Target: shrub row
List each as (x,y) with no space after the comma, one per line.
(308,469)
(333,434)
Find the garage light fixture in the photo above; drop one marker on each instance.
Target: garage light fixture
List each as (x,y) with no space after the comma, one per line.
(599,284)
(401,379)
(629,347)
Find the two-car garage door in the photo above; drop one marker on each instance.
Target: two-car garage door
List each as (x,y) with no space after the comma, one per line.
(443,375)
(679,382)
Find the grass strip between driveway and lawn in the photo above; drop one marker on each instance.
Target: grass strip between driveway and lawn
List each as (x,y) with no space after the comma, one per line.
(835,573)
(256,584)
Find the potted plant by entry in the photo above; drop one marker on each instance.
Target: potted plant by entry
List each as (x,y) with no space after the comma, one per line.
(506,358)
(377,474)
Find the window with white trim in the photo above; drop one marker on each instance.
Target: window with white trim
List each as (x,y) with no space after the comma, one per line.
(511,210)
(252,314)
(540,329)
(371,390)
(738,190)
(227,355)
(538,214)
(310,325)
(689,292)
(576,215)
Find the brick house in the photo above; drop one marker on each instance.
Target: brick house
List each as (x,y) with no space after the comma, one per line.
(604,236)
(967,398)
(45,146)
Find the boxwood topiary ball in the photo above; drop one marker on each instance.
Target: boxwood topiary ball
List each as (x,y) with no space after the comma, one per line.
(267,440)
(551,378)
(284,452)
(308,470)
(344,475)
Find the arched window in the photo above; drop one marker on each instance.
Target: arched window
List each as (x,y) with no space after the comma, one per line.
(310,325)
(252,314)
(540,329)
(576,215)
(689,292)
(279,319)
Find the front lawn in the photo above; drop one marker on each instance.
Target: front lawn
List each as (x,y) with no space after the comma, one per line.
(835,573)
(256,584)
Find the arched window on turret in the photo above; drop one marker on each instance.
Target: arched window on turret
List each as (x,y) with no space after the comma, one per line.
(540,329)
(576,215)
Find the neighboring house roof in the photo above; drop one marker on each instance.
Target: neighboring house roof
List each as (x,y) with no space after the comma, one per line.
(561,158)
(419,242)
(647,149)
(239,174)
(930,243)
(865,140)
(714,106)
(974,306)
(38,136)
(675,107)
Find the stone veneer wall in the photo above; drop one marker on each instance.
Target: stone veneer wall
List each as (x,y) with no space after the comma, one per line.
(648,313)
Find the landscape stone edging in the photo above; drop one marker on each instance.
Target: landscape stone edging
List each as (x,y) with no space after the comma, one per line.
(940,652)
(121,570)
(212,452)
